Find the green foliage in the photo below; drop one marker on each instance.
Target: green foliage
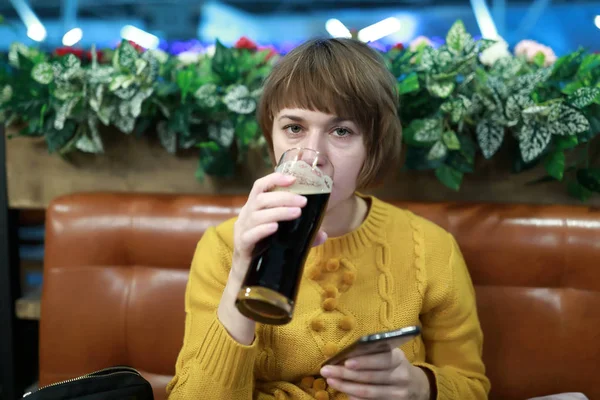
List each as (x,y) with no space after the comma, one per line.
(455,110)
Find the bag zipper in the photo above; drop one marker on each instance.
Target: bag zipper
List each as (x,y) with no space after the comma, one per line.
(90,375)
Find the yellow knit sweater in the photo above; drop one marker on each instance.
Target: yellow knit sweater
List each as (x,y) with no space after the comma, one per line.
(395,270)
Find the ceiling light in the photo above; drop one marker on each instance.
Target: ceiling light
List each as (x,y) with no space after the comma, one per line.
(143,38)
(72,37)
(36,32)
(379,30)
(336,28)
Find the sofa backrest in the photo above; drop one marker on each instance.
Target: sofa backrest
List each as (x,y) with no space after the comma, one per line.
(116,267)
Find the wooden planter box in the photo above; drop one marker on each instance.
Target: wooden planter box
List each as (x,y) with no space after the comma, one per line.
(35,177)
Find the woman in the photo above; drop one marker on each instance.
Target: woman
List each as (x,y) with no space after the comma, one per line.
(374,268)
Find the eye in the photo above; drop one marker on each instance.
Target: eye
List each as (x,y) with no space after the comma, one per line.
(342,132)
(293,129)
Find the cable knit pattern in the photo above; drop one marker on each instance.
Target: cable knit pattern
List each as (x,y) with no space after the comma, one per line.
(395,270)
(385,285)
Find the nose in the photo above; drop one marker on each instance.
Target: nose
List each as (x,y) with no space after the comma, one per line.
(315,141)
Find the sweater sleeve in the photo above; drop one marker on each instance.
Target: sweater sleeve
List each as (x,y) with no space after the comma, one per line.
(211,364)
(451,330)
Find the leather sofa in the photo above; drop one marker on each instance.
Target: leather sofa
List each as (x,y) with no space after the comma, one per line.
(116,267)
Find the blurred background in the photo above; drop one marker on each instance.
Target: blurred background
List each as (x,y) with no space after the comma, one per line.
(181,25)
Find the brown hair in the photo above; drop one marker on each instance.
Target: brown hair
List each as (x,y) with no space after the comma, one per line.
(343,77)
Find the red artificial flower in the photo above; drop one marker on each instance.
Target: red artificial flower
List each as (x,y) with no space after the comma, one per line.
(136,46)
(272,52)
(245,43)
(63,51)
(99,55)
(398,46)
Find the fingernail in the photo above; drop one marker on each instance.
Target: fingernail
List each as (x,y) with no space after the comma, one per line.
(351,364)
(325,371)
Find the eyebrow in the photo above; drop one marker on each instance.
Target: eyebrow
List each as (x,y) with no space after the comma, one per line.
(296,118)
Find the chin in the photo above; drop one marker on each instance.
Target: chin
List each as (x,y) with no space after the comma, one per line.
(336,198)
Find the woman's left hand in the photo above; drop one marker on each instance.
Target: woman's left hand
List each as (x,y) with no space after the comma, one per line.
(383,376)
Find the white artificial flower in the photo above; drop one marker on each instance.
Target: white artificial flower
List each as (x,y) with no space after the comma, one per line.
(188,57)
(494,53)
(210,50)
(160,55)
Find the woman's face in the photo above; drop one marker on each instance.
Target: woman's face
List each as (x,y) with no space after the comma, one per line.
(338,139)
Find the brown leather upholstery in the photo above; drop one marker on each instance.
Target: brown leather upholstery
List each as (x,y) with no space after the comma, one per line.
(116,268)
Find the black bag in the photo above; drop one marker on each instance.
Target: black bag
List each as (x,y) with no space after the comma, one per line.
(115,383)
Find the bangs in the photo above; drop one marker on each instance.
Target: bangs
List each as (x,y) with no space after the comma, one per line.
(345,78)
(328,80)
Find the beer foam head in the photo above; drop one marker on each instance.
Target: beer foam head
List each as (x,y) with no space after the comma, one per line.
(309,179)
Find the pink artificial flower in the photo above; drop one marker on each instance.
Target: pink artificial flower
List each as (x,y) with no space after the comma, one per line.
(418,41)
(530,48)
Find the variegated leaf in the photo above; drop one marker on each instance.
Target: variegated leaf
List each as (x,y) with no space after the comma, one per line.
(238,100)
(125,56)
(528,82)
(124,108)
(117,82)
(222,133)
(100,74)
(489,136)
(498,88)
(167,138)
(443,58)
(66,90)
(441,89)
(430,131)
(96,99)
(126,93)
(532,111)
(207,95)
(584,96)
(43,73)
(63,112)
(514,105)
(138,100)
(124,124)
(458,38)
(437,151)
(91,143)
(6,94)
(508,67)
(140,65)
(451,140)
(535,139)
(426,62)
(571,122)
(106,113)
(15,49)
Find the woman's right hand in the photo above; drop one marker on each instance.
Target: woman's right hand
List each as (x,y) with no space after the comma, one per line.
(260,215)
(258,219)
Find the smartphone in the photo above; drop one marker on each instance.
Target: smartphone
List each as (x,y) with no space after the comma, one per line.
(375,343)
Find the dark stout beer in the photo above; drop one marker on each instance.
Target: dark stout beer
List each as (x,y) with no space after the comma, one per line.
(271,285)
(277,266)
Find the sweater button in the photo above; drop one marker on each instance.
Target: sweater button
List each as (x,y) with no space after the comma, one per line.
(332,265)
(347,323)
(319,384)
(330,304)
(322,395)
(317,325)
(349,277)
(330,349)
